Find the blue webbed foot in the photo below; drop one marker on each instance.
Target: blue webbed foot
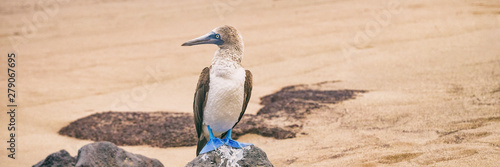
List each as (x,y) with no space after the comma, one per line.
(233,143)
(212,144)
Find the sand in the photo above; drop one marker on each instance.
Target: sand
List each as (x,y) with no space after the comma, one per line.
(432,70)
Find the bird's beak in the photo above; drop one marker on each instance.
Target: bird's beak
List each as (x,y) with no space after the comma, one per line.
(209,38)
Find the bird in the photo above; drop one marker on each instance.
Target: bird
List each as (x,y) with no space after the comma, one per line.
(223,90)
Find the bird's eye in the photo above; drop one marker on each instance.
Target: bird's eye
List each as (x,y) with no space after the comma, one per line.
(217,36)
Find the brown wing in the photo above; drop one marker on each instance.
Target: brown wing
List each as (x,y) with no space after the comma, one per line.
(198,106)
(247,94)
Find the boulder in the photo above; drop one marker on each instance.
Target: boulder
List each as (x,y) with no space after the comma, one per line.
(228,156)
(108,154)
(59,159)
(98,154)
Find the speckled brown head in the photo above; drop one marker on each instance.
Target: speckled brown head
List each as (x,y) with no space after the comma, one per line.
(230,36)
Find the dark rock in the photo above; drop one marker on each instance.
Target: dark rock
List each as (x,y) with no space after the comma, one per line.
(59,159)
(281,117)
(98,154)
(228,156)
(157,129)
(108,154)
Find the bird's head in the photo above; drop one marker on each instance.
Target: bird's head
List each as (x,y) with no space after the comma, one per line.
(224,37)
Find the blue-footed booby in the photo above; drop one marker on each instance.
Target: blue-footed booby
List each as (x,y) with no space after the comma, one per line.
(222,92)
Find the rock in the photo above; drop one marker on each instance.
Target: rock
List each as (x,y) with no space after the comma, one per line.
(228,156)
(98,154)
(157,129)
(108,154)
(59,159)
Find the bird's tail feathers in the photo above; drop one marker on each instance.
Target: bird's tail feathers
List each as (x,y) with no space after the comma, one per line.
(202,141)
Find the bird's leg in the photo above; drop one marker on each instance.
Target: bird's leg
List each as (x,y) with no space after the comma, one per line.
(212,144)
(233,143)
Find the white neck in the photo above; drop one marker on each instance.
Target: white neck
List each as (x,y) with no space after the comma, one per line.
(226,61)
(227,57)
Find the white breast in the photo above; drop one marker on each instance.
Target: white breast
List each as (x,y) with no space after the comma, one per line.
(224,100)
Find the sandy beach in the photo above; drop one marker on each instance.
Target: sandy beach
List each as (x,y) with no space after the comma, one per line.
(431,69)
